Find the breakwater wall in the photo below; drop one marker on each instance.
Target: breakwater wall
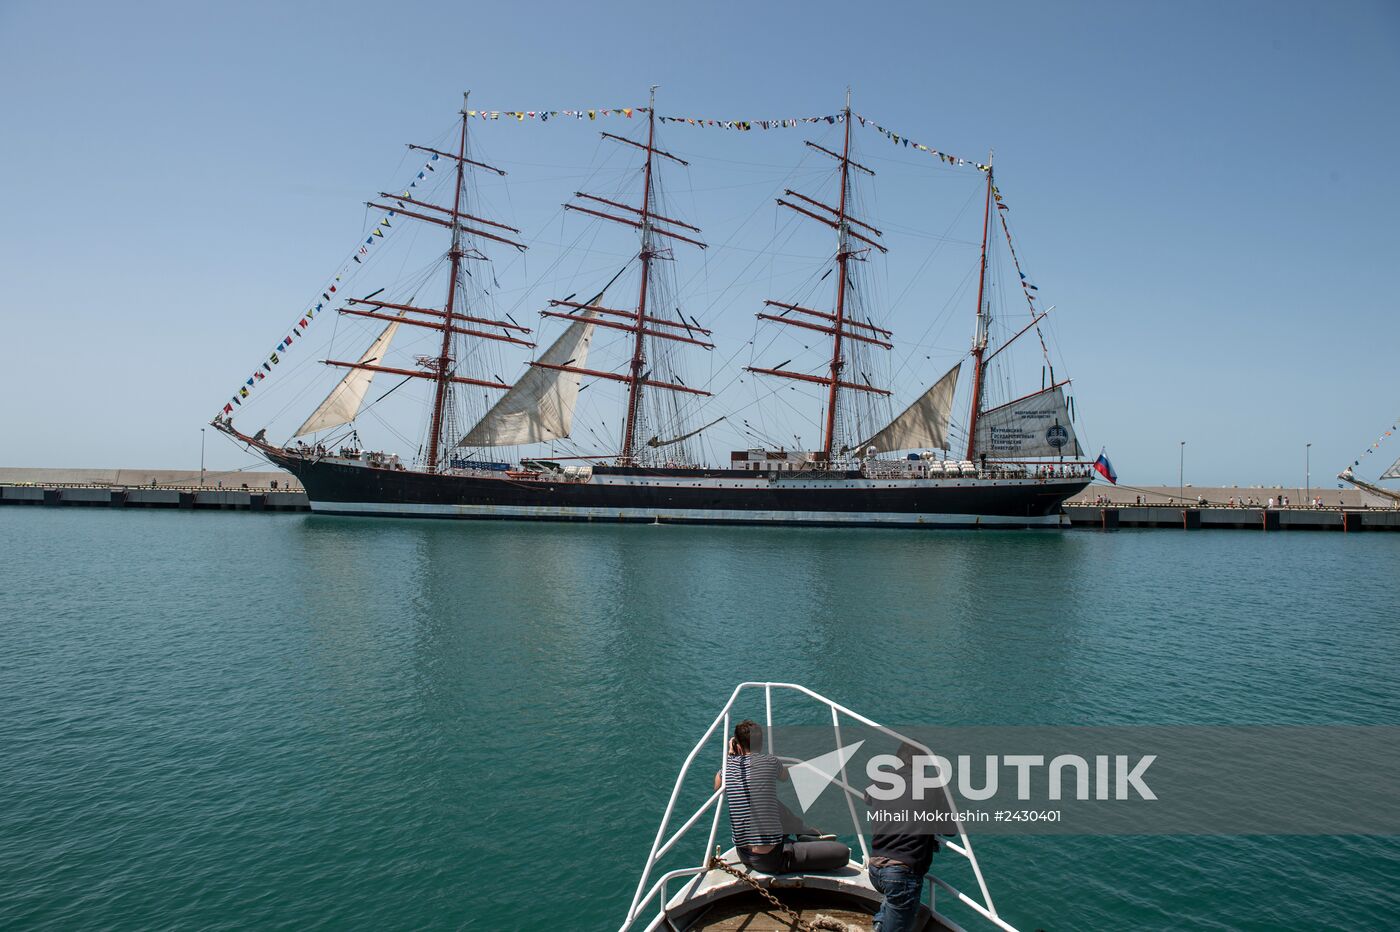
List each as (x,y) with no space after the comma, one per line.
(1112,517)
(147,497)
(1245,507)
(1229,495)
(209,479)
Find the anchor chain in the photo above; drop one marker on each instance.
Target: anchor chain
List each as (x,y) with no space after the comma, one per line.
(820,922)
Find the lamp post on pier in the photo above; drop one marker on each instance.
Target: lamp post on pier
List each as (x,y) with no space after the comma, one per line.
(201,457)
(1181,476)
(1307,470)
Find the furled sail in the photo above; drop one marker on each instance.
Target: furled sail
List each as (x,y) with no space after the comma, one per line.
(540,406)
(1036,425)
(1393,472)
(343,403)
(924,423)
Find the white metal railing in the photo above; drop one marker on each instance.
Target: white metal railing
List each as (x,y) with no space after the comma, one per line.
(662,844)
(967,469)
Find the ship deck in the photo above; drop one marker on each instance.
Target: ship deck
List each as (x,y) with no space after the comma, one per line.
(751,913)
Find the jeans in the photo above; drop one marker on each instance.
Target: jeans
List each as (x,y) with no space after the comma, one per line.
(902,889)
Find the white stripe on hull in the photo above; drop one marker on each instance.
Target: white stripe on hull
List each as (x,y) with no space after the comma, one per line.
(792,482)
(682,516)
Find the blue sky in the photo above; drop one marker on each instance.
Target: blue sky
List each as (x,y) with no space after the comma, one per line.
(1203,190)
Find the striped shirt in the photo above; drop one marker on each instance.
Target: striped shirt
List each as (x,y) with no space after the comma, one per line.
(751,794)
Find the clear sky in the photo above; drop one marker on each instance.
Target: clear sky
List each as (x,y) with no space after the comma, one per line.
(1204,191)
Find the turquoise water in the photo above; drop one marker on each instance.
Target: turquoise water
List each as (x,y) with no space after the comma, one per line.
(226,720)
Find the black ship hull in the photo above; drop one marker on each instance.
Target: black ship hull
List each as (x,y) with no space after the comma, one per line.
(683,496)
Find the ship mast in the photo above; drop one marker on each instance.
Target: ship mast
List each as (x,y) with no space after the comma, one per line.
(640,322)
(449,318)
(979,341)
(634,380)
(843,256)
(842,327)
(454,258)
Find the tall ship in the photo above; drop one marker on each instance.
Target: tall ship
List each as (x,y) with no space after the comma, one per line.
(493,448)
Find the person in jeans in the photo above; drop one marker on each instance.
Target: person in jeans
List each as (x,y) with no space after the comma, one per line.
(901,852)
(762,827)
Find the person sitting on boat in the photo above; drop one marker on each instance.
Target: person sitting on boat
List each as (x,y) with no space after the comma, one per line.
(901,851)
(762,826)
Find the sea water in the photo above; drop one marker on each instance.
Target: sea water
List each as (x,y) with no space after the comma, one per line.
(220,720)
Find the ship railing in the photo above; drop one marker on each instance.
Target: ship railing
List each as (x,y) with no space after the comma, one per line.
(1070,469)
(925,469)
(968,469)
(663,843)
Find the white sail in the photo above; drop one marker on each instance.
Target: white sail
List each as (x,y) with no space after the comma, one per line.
(540,406)
(1393,472)
(343,403)
(924,423)
(1037,425)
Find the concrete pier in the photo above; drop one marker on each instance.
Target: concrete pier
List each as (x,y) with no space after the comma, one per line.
(1112,517)
(200,499)
(211,479)
(1224,495)
(1193,508)
(153,488)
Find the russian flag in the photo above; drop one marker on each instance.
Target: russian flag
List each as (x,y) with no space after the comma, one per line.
(1105,468)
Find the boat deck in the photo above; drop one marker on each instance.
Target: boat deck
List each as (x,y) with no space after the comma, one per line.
(714,901)
(751,913)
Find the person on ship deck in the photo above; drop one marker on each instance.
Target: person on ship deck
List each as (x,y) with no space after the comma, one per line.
(767,836)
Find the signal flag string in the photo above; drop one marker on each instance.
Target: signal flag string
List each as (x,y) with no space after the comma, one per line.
(330,295)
